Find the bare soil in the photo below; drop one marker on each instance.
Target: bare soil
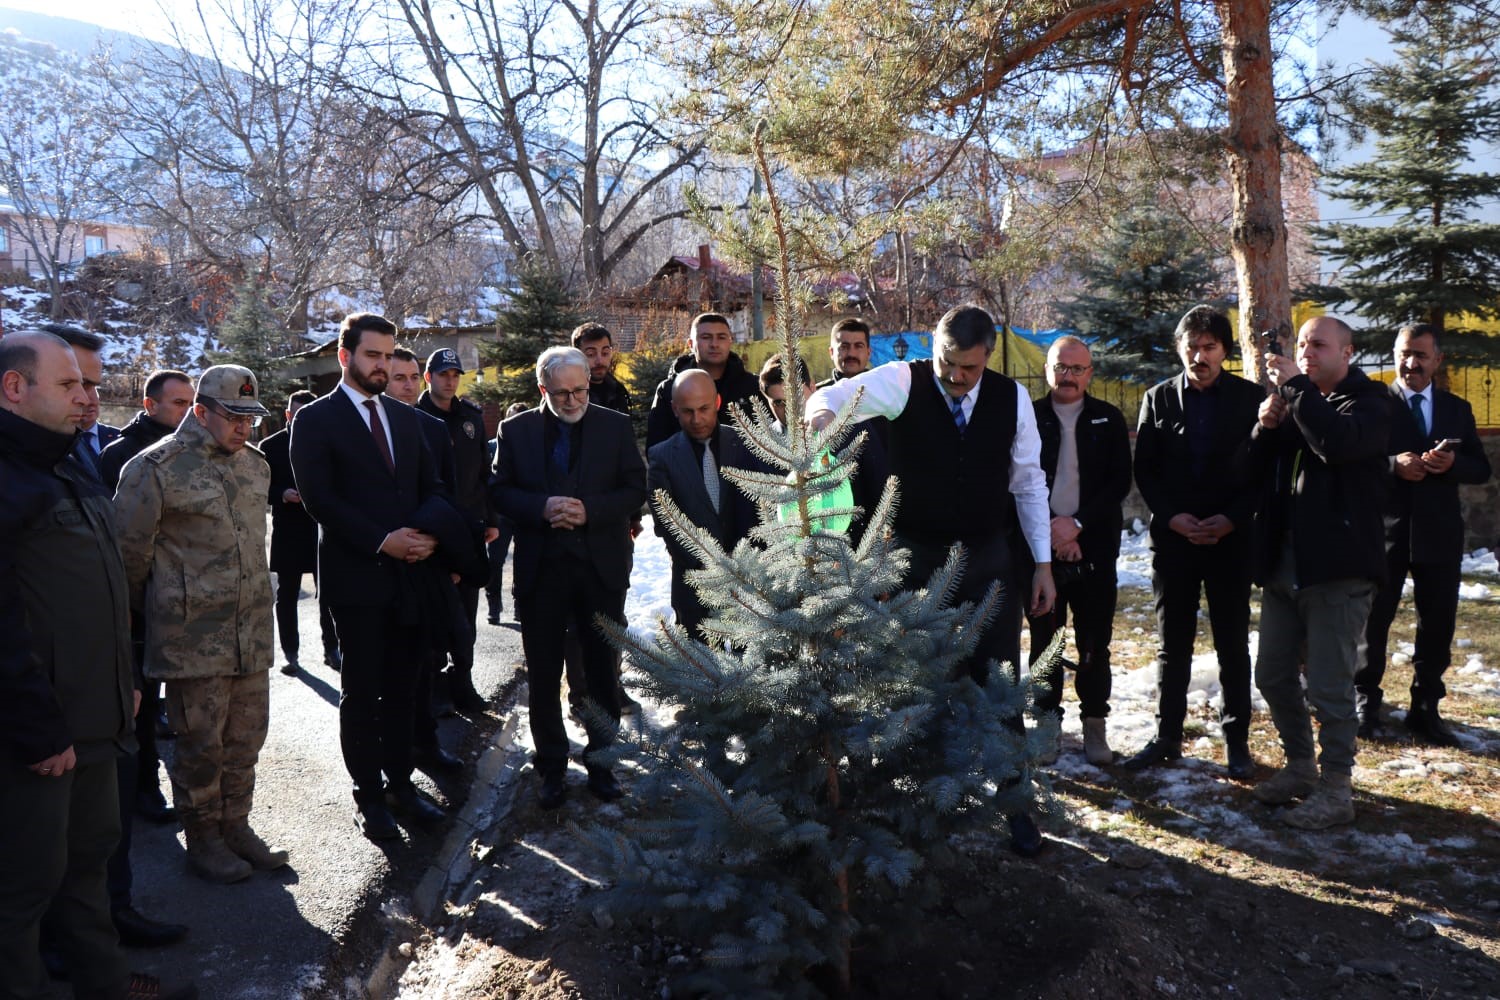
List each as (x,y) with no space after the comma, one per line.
(1143,891)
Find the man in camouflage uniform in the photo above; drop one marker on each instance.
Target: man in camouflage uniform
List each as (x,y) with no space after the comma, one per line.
(192,516)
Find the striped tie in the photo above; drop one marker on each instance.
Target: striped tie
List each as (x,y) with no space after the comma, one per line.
(711,477)
(958,415)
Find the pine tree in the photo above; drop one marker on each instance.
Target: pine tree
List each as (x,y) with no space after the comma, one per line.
(540,315)
(823,753)
(1429,109)
(252,336)
(1148,270)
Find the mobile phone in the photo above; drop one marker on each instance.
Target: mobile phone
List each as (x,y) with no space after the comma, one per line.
(1273,342)
(1447,444)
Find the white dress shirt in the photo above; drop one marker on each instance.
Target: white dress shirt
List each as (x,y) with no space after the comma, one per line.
(886,391)
(358,396)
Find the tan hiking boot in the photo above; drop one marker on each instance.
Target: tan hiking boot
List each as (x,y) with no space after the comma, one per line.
(1295,781)
(1330,804)
(245,842)
(1095,744)
(211,860)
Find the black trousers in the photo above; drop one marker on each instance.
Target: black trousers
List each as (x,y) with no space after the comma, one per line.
(1091,598)
(567,589)
(498,550)
(1435,594)
(119,878)
(378,683)
(1180,573)
(463,656)
(288,586)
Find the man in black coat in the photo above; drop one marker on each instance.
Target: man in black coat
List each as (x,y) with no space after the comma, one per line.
(67,694)
(1086,456)
(294,544)
(1319,446)
(1434,447)
(464,423)
(366,475)
(569,475)
(1191,429)
(598,346)
(712,346)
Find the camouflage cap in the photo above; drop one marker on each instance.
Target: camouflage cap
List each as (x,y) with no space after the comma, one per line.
(233,387)
(444,360)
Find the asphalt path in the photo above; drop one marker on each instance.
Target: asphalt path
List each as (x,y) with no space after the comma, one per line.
(281,934)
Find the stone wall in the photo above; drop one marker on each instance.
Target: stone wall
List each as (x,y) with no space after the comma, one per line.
(1481,504)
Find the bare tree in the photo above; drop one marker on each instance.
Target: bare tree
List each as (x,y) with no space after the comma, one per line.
(54,136)
(547,108)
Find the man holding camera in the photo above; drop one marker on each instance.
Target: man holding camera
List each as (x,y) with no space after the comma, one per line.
(1086,457)
(1433,448)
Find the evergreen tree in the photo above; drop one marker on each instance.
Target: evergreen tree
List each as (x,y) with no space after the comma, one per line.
(1149,269)
(252,336)
(540,315)
(1430,109)
(822,753)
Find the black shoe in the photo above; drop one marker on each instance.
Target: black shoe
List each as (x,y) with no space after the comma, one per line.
(139,931)
(333,658)
(1158,751)
(151,805)
(164,730)
(291,667)
(435,759)
(604,787)
(1025,838)
(409,803)
(494,618)
(1369,727)
(376,823)
(554,791)
(1426,725)
(467,700)
(1241,764)
(144,987)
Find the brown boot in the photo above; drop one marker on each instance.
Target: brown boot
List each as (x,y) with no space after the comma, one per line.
(245,842)
(209,858)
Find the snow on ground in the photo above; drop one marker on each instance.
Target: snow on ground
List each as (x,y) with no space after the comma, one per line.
(1206,803)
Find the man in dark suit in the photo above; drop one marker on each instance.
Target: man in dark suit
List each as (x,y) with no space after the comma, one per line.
(1086,456)
(294,544)
(1433,448)
(569,475)
(87,348)
(686,468)
(367,477)
(1192,427)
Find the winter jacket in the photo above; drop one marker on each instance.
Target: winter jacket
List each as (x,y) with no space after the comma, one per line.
(65,673)
(138,435)
(192,522)
(734,385)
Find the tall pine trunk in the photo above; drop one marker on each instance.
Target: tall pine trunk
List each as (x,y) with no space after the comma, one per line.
(1253,148)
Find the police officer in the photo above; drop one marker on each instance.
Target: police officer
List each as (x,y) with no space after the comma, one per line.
(192,517)
(465,423)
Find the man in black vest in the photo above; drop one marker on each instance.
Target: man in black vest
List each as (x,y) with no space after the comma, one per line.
(1086,455)
(1192,428)
(964,446)
(1433,448)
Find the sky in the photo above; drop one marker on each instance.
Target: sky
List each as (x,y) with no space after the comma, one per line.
(139,17)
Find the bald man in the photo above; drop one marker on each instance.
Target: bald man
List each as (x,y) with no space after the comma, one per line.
(686,469)
(1319,444)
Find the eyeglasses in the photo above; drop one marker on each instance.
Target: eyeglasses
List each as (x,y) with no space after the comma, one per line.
(250,420)
(566,394)
(1077,371)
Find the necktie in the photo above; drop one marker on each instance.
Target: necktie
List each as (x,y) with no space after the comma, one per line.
(1065,482)
(958,415)
(90,449)
(562,449)
(377,430)
(711,477)
(1417,415)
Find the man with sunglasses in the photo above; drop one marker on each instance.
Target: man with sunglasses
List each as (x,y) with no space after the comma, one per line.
(1191,429)
(191,512)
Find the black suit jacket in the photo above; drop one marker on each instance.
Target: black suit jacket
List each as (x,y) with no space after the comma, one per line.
(1103,472)
(1424,516)
(356,501)
(610,480)
(673,468)
(1164,459)
(294,534)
